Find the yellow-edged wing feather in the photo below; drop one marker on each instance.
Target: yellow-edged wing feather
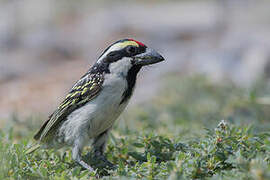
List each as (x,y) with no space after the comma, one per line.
(86,89)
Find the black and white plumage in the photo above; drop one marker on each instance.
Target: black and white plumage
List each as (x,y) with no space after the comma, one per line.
(97,99)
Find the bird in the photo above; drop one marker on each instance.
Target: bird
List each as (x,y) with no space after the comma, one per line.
(96,100)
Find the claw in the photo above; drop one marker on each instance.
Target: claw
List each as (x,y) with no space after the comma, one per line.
(85,165)
(105,161)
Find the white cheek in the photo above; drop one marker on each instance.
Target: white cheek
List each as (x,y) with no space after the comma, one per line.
(120,67)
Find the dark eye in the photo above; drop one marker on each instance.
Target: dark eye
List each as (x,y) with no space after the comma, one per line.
(131,50)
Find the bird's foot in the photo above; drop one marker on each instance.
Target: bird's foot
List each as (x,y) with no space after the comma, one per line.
(85,165)
(99,160)
(105,161)
(88,167)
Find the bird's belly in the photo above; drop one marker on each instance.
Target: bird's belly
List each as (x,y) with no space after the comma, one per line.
(106,112)
(94,117)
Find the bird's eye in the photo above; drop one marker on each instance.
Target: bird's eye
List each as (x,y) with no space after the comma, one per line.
(131,50)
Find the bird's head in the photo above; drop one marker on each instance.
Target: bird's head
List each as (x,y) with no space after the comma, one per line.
(125,54)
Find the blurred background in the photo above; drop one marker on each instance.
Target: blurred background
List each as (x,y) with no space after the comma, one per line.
(45,46)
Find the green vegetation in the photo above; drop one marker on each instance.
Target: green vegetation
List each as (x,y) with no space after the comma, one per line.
(177,135)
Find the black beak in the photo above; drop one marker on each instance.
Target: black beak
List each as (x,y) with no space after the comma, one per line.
(150,56)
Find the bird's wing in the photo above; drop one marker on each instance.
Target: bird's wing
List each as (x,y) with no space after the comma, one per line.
(83,91)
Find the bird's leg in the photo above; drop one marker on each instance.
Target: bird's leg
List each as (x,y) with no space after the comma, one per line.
(99,146)
(99,143)
(76,155)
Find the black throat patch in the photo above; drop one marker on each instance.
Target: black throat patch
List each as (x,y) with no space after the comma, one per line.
(131,80)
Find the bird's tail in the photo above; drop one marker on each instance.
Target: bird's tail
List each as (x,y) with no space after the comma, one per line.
(32,149)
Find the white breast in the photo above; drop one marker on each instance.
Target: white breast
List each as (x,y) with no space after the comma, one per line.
(97,115)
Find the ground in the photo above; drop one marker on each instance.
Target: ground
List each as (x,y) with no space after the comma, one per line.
(193,129)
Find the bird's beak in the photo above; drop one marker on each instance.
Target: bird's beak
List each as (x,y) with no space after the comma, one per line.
(150,56)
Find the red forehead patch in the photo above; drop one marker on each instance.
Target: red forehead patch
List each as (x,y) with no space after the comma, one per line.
(141,44)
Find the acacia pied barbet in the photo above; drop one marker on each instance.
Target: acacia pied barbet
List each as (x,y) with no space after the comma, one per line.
(91,107)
